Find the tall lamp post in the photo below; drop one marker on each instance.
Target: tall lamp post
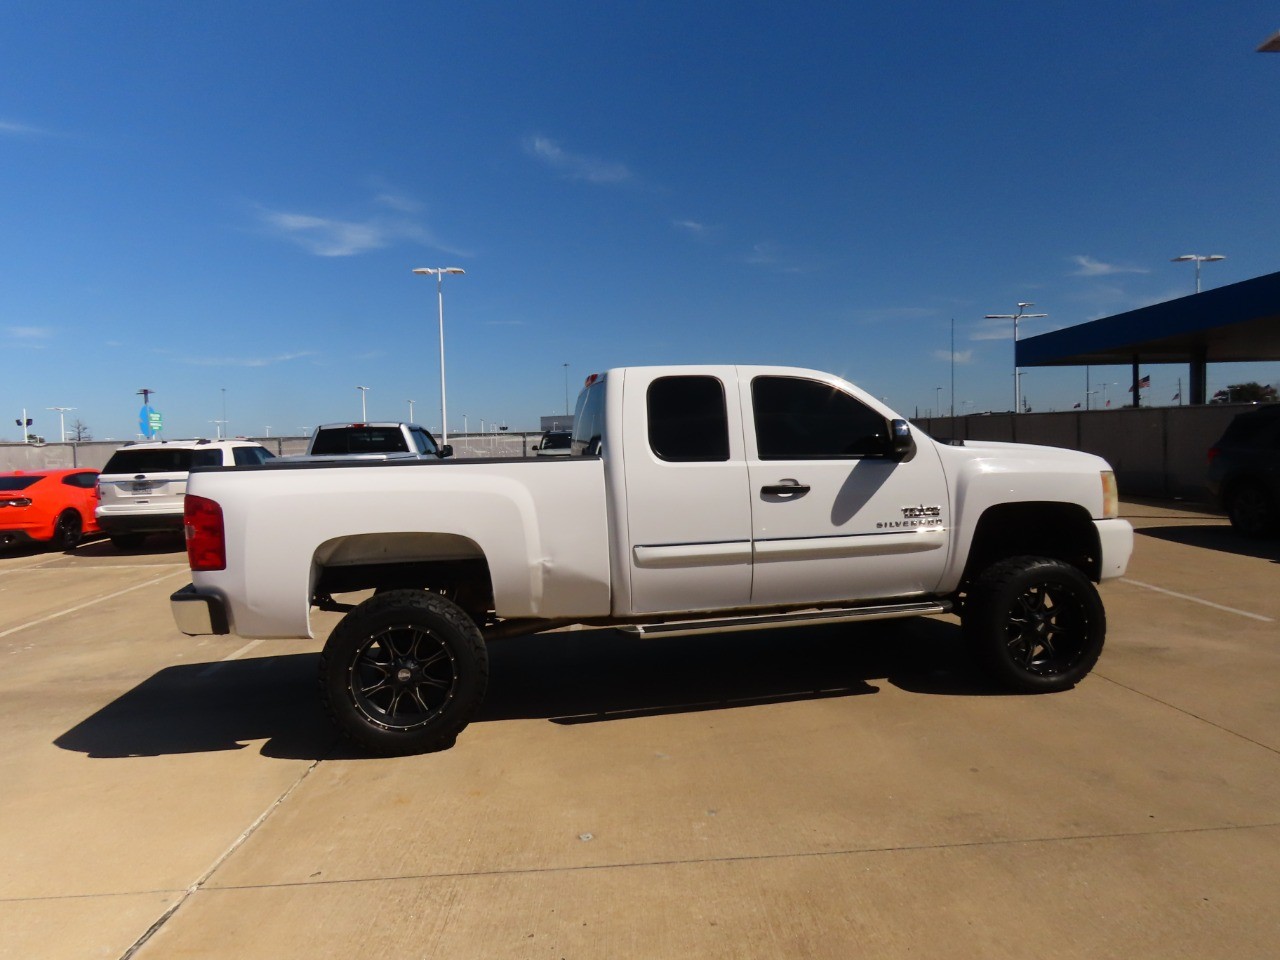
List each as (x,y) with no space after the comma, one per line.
(1015,317)
(1197,259)
(411,411)
(438,273)
(364,409)
(62,421)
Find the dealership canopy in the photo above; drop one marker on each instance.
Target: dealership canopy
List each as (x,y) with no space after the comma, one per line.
(1235,323)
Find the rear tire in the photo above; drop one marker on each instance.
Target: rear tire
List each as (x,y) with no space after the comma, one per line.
(1252,510)
(127,541)
(404,672)
(1037,624)
(69,530)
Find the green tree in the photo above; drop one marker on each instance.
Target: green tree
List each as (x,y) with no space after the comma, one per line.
(1246,393)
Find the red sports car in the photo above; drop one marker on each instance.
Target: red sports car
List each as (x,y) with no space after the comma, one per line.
(47,505)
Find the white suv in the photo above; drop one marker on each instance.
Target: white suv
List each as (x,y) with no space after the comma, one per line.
(140,490)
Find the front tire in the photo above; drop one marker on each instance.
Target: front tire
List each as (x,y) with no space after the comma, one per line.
(404,672)
(1037,624)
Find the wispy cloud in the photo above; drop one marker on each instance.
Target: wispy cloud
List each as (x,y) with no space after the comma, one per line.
(247,361)
(692,227)
(391,216)
(10,129)
(960,356)
(1087,266)
(772,257)
(327,237)
(573,165)
(29,333)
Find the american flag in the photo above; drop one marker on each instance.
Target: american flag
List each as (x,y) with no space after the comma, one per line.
(1143,383)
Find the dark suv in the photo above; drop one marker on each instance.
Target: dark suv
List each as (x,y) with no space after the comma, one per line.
(1244,471)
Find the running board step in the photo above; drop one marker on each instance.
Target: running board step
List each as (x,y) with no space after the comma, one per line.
(772,621)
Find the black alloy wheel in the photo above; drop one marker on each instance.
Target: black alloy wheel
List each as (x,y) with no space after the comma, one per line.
(69,530)
(404,672)
(1037,623)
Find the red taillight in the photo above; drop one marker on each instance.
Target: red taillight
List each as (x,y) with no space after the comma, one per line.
(1213,452)
(206,541)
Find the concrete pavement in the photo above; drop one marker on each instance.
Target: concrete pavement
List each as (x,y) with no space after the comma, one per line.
(819,793)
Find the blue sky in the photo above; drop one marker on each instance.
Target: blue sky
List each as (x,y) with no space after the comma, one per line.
(204,197)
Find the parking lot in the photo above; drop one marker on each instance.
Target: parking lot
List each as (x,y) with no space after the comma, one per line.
(830,792)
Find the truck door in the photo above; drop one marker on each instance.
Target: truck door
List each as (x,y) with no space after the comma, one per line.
(834,515)
(688,506)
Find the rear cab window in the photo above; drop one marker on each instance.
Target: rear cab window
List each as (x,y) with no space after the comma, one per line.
(359,439)
(688,422)
(588,420)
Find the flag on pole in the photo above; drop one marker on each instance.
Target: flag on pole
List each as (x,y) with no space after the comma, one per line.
(1143,383)
(1178,395)
(1075,406)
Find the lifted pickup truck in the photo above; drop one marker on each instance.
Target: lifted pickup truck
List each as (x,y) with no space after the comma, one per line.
(697,499)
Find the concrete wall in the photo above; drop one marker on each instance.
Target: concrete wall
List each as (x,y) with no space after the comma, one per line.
(1157,452)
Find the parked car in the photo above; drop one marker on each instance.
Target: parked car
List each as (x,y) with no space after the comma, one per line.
(140,490)
(1244,471)
(554,443)
(53,506)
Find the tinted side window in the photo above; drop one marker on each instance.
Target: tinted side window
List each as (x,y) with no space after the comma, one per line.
(250,455)
(588,421)
(687,419)
(806,420)
(206,458)
(423,441)
(84,481)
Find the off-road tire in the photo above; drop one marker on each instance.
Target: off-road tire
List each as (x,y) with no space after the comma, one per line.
(1036,624)
(404,672)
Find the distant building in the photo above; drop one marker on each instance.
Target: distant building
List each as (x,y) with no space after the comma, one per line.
(562,421)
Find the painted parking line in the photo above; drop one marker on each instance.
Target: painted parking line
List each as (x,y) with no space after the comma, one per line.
(1206,603)
(89,603)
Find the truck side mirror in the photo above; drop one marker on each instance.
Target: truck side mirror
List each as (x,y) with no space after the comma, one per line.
(446,451)
(901,444)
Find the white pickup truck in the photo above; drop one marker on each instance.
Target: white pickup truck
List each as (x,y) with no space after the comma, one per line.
(697,499)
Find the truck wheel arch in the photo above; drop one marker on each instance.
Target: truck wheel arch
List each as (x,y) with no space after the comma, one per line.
(446,563)
(1061,531)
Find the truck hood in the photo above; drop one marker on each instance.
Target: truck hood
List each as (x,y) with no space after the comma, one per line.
(1000,450)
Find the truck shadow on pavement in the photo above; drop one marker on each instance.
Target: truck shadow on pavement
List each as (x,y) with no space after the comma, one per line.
(1218,536)
(570,677)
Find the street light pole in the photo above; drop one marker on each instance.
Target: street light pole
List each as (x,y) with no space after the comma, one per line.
(439,273)
(411,411)
(566,389)
(364,409)
(1015,317)
(1197,259)
(62,421)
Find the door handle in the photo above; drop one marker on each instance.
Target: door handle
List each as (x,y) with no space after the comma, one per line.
(785,488)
